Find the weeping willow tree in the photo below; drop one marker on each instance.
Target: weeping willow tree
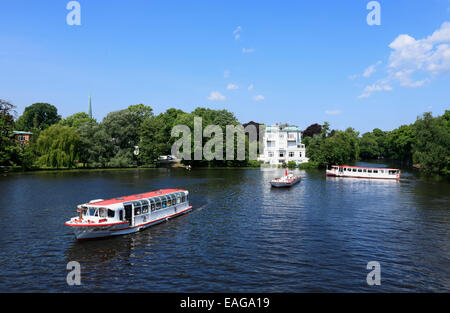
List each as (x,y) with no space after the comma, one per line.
(58,146)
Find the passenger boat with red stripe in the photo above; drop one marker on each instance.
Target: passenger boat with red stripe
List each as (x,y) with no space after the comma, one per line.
(125,215)
(364,172)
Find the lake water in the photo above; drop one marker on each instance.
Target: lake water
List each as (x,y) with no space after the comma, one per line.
(242,236)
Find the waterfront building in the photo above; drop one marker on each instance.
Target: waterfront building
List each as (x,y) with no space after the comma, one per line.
(257,126)
(282,144)
(22,137)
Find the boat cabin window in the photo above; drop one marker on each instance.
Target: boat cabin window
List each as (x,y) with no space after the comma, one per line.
(364,171)
(382,171)
(369,171)
(111,213)
(91,211)
(359,170)
(375,171)
(178,198)
(183,198)
(102,212)
(158,203)
(137,208)
(354,170)
(174,199)
(152,204)
(163,202)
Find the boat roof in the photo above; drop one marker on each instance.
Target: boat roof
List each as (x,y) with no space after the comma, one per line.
(376,168)
(137,197)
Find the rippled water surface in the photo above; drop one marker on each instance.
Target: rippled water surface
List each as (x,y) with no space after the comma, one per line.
(243,235)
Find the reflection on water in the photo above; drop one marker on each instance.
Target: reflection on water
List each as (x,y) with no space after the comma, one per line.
(243,235)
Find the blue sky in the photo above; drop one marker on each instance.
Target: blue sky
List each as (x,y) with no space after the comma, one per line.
(299,62)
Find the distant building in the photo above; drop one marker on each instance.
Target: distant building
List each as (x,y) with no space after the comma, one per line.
(257,125)
(22,137)
(283,143)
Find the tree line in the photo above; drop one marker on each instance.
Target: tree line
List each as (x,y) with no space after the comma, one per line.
(424,144)
(81,141)
(126,138)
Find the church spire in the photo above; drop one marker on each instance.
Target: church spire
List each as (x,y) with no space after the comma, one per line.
(90,107)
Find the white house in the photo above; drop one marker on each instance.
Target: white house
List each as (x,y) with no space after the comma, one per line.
(283,143)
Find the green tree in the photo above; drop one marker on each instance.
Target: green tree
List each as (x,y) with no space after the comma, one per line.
(400,142)
(76,120)
(368,146)
(7,145)
(59,146)
(123,127)
(335,147)
(154,140)
(432,143)
(37,117)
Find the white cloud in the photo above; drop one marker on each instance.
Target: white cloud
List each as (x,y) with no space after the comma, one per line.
(367,72)
(332,112)
(415,62)
(370,70)
(232,87)
(258,98)
(250,87)
(216,96)
(236,33)
(244,50)
(379,86)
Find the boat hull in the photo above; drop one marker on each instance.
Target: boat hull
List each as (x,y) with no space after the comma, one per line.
(103,231)
(285,184)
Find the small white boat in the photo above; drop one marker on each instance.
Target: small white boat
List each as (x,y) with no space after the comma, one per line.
(364,172)
(286,181)
(126,215)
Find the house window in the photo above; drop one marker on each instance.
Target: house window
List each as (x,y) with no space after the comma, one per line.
(270,154)
(281,154)
(291,154)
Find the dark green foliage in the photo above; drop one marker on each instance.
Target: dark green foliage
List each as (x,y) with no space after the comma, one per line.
(37,117)
(7,146)
(335,147)
(431,148)
(76,120)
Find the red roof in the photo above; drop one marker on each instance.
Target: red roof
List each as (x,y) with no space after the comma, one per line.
(372,168)
(140,196)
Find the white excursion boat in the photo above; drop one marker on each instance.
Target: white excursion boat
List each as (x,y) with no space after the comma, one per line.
(125,215)
(286,181)
(363,172)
